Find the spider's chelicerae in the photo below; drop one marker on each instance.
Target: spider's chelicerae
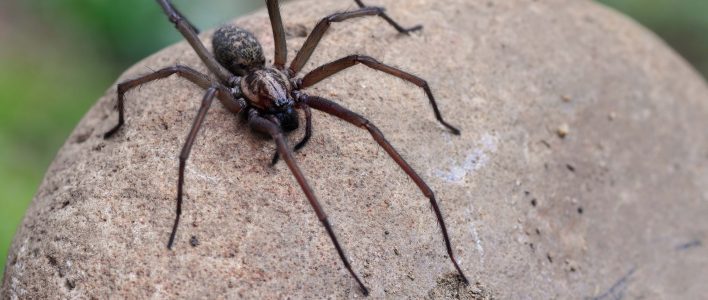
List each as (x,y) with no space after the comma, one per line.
(270,96)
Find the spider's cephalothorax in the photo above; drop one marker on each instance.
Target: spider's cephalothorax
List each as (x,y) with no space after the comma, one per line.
(270,96)
(269,91)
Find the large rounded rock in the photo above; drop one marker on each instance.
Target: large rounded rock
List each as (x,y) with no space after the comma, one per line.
(581,171)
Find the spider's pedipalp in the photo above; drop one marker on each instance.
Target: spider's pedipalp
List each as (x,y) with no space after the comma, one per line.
(308,131)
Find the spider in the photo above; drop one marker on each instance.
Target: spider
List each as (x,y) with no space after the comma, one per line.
(270,97)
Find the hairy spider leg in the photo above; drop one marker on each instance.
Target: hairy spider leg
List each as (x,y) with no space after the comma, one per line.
(188,73)
(340,112)
(393,23)
(308,131)
(263,125)
(336,66)
(276,22)
(184,155)
(318,32)
(184,27)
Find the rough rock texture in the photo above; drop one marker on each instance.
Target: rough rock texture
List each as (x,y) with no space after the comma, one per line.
(617,207)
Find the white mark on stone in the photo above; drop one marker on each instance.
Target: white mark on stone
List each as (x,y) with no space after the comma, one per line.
(203,176)
(477,158)
(475,237)
(158,293)
(17,292)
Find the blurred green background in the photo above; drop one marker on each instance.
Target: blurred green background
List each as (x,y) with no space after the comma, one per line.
(61,55)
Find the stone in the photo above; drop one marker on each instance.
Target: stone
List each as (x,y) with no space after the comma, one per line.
(616,208)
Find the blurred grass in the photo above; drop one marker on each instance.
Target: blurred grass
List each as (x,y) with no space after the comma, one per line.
(683,24)
(57,57)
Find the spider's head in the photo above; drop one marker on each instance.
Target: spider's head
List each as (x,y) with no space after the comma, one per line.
(237,50)
(269,90)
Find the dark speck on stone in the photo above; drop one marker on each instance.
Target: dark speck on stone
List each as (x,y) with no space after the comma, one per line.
(194,241)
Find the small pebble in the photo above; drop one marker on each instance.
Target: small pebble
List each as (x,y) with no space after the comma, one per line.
(563,130)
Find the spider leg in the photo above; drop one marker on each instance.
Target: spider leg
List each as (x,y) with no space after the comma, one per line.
(338,111)
(392,22)
(308,132)
(318,32)
(184,155)
(276,22)
(123,87)
(187,30)
(263,125)
(336,66)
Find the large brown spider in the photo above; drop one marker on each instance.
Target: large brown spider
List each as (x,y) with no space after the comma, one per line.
(270,95)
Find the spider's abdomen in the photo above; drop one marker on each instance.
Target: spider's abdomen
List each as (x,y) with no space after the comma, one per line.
(237,50)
